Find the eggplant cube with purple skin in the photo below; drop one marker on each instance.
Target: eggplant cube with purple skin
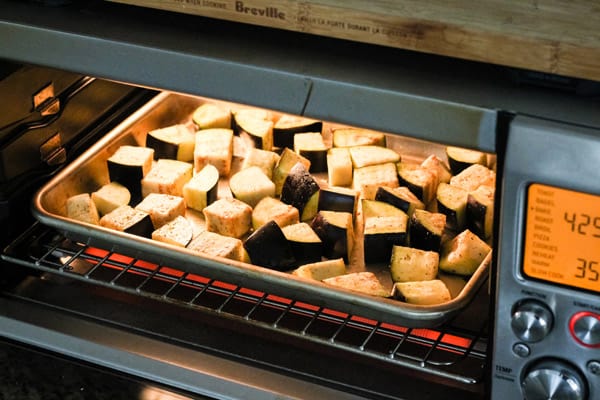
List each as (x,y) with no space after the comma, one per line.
(336,230)
(268,247)
(301,190)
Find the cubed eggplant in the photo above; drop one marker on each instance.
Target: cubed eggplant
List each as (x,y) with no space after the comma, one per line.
(214,146)
(400,197)
(255,127)
(408,264)
(162,208)
(177,232)
(202,189)
(321,270)
(175,142)
(426,293)
(129,220)
(209,115)
(311,146)
(339,167)
(421,181)
(366,180)
(272,209)
(336,231)
(111,196)
(426,230)
(299,188)
(452,202)
(463,254)
(264,159)
(434,164)
(288,159)
(362,282)
(288,125)
(128,166)
(251,185)
(460,158)
(268,247)
(480,212)
(349,137)
(306,245)
(364,156)
(474,176)
(338,199)
(381,233)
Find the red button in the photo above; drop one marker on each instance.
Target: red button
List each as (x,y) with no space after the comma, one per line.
(585,328)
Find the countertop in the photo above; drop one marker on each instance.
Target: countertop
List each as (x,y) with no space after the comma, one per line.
(31,375)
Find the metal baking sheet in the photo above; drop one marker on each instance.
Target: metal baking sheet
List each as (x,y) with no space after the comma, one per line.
(89,172)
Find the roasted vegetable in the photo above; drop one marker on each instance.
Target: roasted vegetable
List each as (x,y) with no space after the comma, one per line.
(177,232)
(286,162)
(321,270)
(349,137)
(129,220)
(214,146)
(167,177)
(272,209)
(128,166)
(452,202)
(251,185)
(214,244)
(336,231)
(306,245)
(268,247)
(421,181)
(210,115)
(202,189)
(460,158)
(174,142)
(255,126)
(408,264)
(338,199)
(400,197)
(311,146)
(463,254)
(422,292)
(111,196)
(426,230)
(162,208)
(364,156)
(480,212)
(288,125)
(82,208)
(363,282)
(339,167)
(298,190)
(366,180)
(228,217)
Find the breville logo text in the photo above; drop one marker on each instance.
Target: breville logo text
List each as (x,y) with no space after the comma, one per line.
(269,12)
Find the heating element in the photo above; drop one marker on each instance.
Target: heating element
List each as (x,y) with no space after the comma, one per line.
(454,353)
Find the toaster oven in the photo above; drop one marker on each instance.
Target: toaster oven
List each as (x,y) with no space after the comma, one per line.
(527,327)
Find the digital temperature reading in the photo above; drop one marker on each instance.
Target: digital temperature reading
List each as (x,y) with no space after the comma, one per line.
(562,237)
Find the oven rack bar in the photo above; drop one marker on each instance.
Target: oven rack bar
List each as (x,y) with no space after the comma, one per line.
(452,351)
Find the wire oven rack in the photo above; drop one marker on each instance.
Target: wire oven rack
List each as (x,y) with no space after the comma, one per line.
(455,351)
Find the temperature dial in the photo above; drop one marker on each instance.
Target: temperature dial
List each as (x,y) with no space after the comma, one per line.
(553,380)
(531,321)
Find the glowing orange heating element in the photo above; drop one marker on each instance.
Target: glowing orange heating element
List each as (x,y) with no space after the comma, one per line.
(562,237)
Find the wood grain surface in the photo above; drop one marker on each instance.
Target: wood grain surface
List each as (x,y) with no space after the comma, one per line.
(554,36)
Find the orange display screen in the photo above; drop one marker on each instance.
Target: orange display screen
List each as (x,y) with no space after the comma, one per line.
(562,237)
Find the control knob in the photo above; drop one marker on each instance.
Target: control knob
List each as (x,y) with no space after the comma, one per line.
(531,321)
(553,380)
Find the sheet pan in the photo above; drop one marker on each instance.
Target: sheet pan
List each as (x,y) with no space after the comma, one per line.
(89,172)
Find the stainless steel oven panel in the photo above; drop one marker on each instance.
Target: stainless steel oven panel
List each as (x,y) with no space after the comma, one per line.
(558,155)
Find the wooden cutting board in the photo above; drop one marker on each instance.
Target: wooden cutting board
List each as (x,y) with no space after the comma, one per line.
(555,36)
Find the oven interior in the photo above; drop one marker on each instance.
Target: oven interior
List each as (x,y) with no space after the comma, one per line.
(68,284)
